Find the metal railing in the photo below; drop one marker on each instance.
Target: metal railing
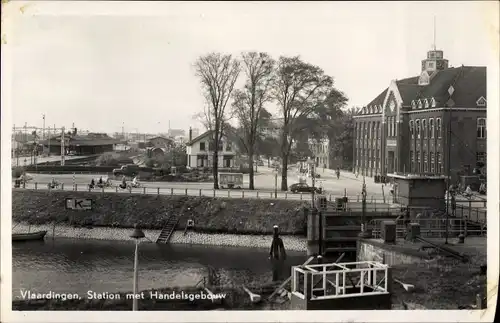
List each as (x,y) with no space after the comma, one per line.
(235,193)
(339,280)
(430,227)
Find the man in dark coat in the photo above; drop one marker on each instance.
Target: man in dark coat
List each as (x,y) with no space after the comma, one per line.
(277,254)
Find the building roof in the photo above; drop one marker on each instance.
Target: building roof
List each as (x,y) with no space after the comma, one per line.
(198,138)
(469,83)
(77,140)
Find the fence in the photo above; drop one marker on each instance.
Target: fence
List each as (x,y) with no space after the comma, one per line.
(264,194)
(430,227)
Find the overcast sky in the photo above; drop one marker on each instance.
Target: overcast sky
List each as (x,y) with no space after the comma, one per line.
(101,65)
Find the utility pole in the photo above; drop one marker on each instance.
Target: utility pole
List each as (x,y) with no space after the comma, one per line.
(364,233)
(43,129)
(62,146)
(450,105)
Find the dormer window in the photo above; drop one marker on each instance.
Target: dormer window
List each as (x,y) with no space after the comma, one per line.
(426,103)
(420,104)
(413,104)
(433,103)
(481,102)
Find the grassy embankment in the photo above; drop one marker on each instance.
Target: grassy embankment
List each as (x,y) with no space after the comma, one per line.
(210,215)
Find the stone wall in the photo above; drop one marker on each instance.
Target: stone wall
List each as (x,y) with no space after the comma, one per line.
(371,250)
(120,234)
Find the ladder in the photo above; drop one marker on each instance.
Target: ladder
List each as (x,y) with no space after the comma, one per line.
(168,229)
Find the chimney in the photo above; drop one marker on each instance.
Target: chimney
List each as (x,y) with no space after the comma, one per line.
(190,134)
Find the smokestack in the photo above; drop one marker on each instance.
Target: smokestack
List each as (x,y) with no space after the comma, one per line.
(190,134)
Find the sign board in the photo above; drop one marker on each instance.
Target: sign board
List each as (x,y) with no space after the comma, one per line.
(78,204)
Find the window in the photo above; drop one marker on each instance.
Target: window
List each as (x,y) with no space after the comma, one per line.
(431,127)
(202,146)
(418,162)
(481,156)
(426,164)
(364,130)
(412,130)
(413,104)
(426,103)
(424,128)
(481,102)
(369,130)
(481,128)
(417,128)
(395,127)
(433,103)
(210,146)
(412,161)
(438,127)
(439,163)
(228,146)
(420,104)
(431,157)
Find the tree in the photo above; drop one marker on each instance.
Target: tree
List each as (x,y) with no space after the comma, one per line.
(344,142)
(248,102)
(298,88)
(218,74)
(269,147)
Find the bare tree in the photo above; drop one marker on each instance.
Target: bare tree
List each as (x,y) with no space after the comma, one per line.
(298,88)
(218,74)
(249,101)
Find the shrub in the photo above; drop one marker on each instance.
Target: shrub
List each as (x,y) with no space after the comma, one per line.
(17,171)
(108,159)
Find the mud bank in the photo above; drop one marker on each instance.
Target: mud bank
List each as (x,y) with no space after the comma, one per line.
(122,234)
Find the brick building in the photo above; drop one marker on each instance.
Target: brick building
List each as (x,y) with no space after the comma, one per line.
(409,127)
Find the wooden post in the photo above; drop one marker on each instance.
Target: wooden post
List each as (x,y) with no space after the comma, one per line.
(24,185)
(171,191)
(257,194)
(242,194)
(158,191)
(186,190)
(213,190)
(144,188)
(200,191)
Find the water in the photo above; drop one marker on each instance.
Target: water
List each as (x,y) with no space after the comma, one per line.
(76,266)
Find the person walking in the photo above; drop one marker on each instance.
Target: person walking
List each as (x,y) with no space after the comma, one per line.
(277,255)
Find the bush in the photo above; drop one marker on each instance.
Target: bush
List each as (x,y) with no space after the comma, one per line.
(112,159)
(17,171)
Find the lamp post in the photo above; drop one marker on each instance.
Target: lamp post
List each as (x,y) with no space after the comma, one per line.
(137,234)
(312,167)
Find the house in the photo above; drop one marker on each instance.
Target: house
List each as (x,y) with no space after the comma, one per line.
(200,151)
(321,151)
(409,126)
(160,142)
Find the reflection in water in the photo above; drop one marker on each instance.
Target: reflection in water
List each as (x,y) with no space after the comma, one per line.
(66,265)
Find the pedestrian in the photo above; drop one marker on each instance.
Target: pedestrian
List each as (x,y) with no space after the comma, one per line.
(453,205)
(277,255)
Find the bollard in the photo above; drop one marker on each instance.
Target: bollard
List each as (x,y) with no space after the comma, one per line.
(76,187)
(158,191)
(214,192)
(242,194)
(24,185)
(228,193)
(200,191)
(62,187)
(144,190)
(171,191)
(272,194)
(186,191)
(116,189)
(301,196)
(257,194)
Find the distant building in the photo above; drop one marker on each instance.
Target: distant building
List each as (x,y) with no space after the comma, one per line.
(321,151)
(160,142)
(92,143)
(200,151)
(406,128)
(176,132)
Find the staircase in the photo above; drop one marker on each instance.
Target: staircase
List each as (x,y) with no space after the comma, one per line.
(168,229)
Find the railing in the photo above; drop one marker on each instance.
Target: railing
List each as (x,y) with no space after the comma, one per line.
(330,281)
(236,193)
(430,227)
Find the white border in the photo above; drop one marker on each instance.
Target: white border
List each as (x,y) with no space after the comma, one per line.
(12,9)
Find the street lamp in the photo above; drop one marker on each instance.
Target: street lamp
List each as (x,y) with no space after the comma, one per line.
(313,175)
(364,232)
(137,234)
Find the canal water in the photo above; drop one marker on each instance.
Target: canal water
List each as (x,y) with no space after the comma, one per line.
(76,266)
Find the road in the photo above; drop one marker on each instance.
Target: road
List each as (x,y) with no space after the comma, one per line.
(264,182)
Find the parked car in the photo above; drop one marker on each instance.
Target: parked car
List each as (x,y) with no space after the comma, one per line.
(304,188)
(126,170)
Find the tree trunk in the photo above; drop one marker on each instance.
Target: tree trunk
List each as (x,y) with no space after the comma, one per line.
(284,171)
(215,168)
(250,164)
(268,161)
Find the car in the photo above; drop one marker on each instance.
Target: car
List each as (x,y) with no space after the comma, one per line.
(126,170)
(303,188)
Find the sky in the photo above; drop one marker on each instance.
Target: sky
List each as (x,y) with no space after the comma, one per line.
(104,66)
